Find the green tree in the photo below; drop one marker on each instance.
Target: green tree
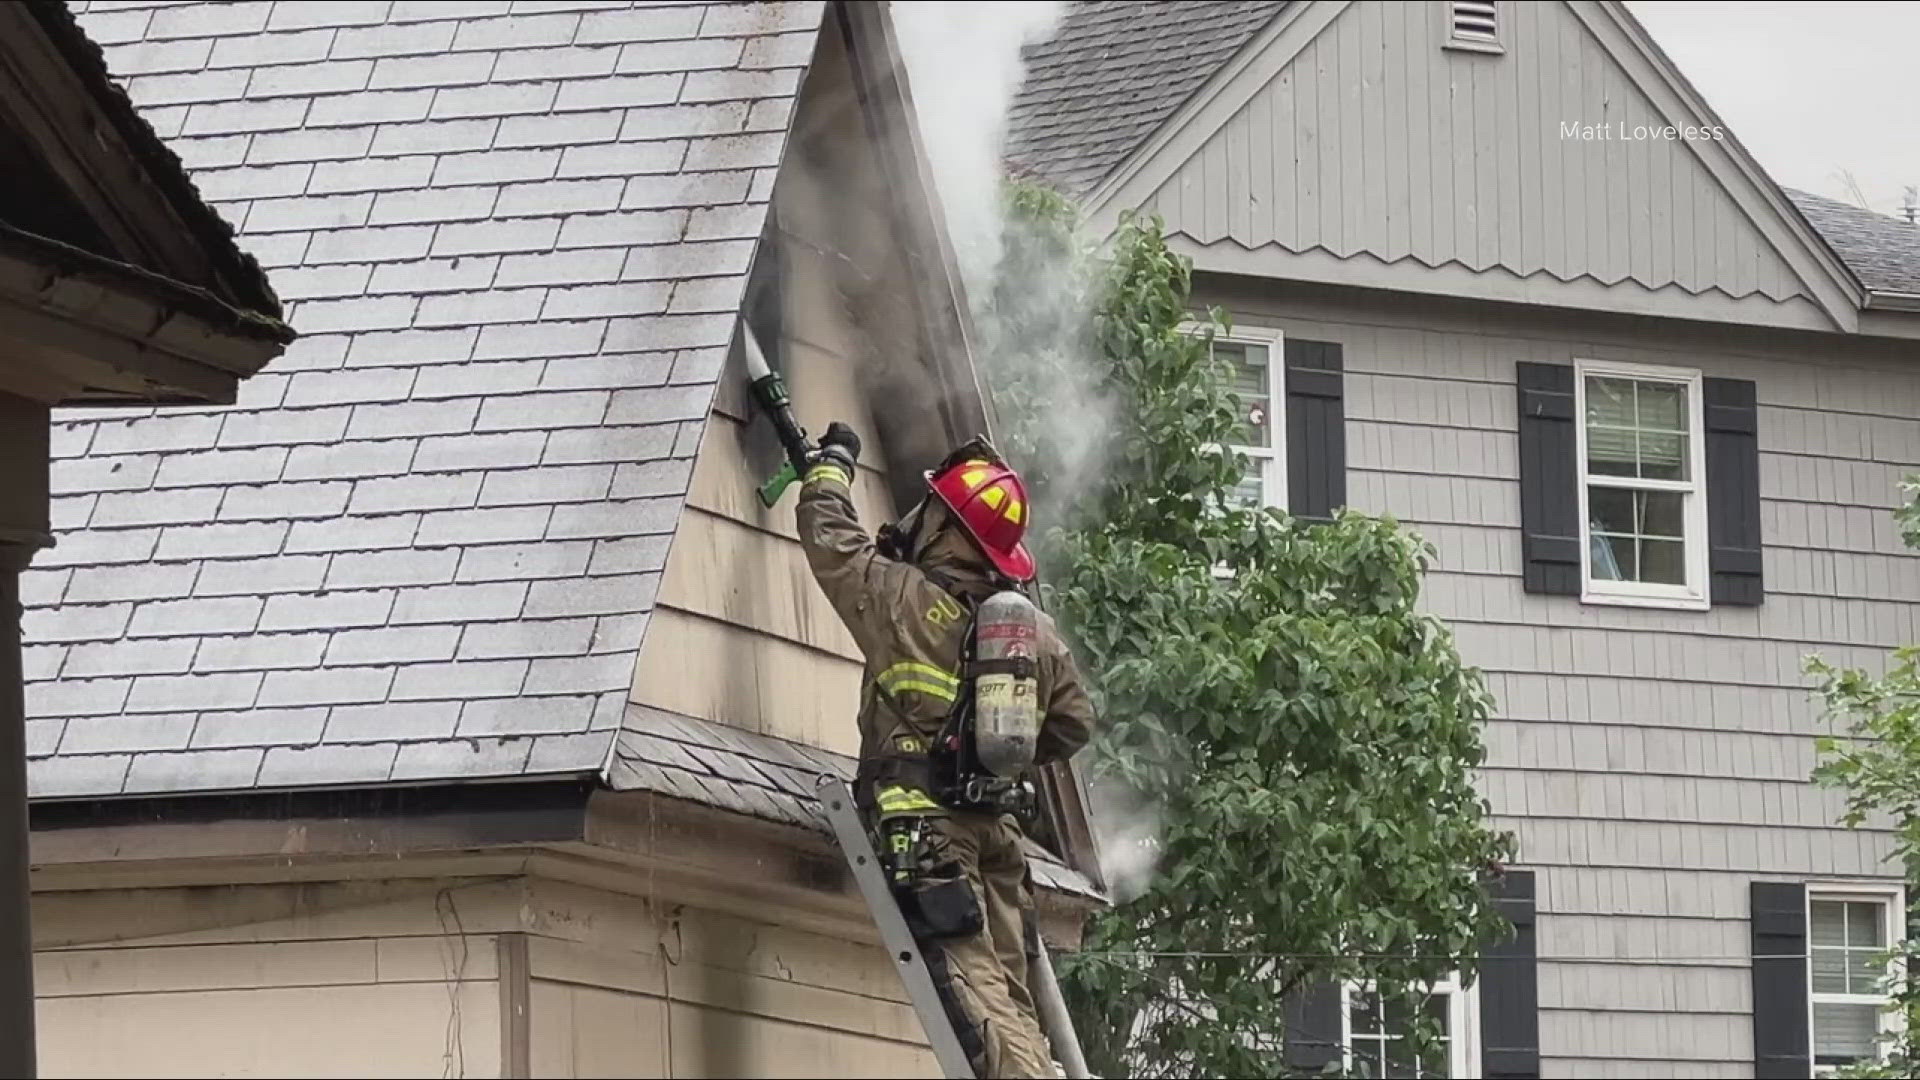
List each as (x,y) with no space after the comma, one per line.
(1876,761)
(1306,738)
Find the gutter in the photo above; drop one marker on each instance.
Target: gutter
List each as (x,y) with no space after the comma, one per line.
(1879,300)
(173,342)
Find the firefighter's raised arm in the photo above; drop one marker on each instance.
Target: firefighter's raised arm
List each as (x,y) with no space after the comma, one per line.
(839,551)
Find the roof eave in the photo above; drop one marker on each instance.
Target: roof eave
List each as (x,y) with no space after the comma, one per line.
(161,203)
(113,332)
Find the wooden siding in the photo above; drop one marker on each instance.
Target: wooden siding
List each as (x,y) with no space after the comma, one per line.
(721,997)
(741,634)
(405,978)
(1376,143)
(270,981)
(1652,762)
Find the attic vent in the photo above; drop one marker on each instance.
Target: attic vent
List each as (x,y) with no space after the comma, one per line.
(1475,24)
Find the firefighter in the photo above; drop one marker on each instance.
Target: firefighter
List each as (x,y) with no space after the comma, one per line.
(951,831)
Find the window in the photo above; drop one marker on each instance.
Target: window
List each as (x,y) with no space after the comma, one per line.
(1474,25)
(1642,477)
(1375,1033)
(1848,935)
(1259,385)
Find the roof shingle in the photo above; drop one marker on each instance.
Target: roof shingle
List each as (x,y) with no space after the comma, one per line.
(386,562)
(1112,73)
(762,776)
(1883,252)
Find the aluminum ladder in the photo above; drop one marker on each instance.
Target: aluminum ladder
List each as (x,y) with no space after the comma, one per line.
(856,844)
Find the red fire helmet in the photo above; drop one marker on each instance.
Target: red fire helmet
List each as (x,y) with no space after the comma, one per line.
(991,502)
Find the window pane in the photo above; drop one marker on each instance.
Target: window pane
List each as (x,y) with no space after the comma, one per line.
(1614,558)
(1828,922)
(1661,513)
(1637,535)
(1637,428)
(1829,971)
(1367,1018)
(1662,406)
(1864,925)
(1663,457)
(1250,493)
(1610,402)
(1370,1057)
(1864,968)
(1610,451)
(1252,387)
(1663,562)
(1843,1033)
(1400,1060)
(1612,510)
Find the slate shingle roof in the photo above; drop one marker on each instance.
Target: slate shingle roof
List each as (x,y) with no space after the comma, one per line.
(1112,74)
(424,543)
(761,776)
(1883,252)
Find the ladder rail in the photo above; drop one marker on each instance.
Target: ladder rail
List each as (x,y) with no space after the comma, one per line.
(837,800)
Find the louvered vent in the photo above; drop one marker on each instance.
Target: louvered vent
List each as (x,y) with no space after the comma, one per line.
(1476,20)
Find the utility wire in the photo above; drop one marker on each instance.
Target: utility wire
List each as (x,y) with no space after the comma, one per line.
(1559,958)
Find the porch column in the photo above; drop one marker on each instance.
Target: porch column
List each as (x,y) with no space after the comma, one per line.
(23,531)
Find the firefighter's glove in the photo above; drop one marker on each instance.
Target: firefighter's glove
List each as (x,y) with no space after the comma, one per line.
(839,446)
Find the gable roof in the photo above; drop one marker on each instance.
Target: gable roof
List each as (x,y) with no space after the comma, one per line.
(425,545)
(1883,252)
(1097,94)
(1112,73)
(235,276)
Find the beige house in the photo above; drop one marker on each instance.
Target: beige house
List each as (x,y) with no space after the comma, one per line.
(449,706)
(117,285)
(1499,270)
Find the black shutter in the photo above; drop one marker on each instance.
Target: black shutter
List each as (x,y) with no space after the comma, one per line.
(1510,986)
(1780,1043)
(1316,429)
(1549,480)
(1733,491)
(1314,1025)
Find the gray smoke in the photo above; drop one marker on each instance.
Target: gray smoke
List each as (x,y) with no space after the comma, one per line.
(964,66)
(963,60)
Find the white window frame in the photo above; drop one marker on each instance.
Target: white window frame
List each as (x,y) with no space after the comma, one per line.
(1893,897)
(1463,1024)
(1693,595)
(1273,476)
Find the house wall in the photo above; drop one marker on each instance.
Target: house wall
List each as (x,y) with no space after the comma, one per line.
(360,979)
(1389,157)
(528,974)
(710,995)
(1651,762)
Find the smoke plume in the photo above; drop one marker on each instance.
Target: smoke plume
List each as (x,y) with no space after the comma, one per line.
(963,61)
(1031,306)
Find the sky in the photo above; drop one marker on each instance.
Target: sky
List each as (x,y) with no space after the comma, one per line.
(1811,89)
